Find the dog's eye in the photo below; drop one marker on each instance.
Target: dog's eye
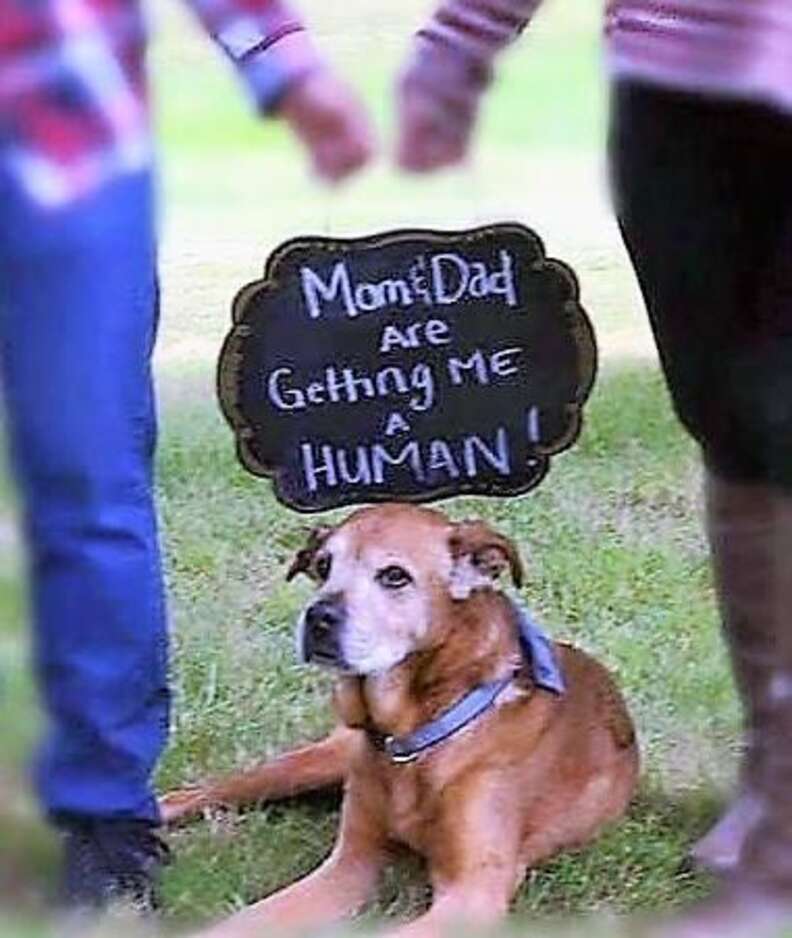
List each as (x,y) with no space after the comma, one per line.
(393,577)
(323,566)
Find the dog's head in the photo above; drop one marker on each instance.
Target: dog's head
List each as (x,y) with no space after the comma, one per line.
(383,577)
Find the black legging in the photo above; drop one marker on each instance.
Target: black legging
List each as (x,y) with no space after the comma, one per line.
(703,191)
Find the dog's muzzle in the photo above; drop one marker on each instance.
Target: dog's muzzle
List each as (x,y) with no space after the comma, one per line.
(319,639)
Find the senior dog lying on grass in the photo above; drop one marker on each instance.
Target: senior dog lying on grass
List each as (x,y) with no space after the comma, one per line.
(464,733)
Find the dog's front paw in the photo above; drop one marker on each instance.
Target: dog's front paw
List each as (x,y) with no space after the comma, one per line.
(183,803)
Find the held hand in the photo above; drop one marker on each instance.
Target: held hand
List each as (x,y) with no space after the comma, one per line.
(331,122)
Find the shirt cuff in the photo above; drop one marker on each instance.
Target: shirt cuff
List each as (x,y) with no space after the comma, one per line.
(274,67)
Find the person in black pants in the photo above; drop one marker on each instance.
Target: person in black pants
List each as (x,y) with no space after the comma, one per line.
(703,193)
(700,152)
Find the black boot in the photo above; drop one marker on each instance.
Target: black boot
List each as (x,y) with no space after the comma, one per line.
(109,863)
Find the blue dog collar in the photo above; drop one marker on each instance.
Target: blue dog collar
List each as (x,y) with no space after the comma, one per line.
(539,654)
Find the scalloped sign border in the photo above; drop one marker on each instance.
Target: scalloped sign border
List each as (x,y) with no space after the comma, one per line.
(412,365)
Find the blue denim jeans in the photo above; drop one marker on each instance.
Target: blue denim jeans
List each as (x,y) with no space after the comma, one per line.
(78,315)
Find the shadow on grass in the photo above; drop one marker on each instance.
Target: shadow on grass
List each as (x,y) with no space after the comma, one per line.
(636,866)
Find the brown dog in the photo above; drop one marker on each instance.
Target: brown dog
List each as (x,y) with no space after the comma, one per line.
(408,616)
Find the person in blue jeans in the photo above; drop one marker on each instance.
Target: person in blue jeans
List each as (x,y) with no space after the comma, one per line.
(78,319)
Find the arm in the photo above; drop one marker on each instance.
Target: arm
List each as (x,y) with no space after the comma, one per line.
(449,69)
(267,43)
(285,75)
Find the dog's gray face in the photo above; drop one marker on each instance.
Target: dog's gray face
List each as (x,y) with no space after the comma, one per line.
(373,604)
(380,576)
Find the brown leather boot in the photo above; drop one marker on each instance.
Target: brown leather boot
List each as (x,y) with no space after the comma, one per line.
(739,527)
(751,537)
(766,860)
(719,850)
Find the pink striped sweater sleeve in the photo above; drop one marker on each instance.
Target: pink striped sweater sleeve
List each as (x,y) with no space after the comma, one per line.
(737,48)
(464,37)
(732,48)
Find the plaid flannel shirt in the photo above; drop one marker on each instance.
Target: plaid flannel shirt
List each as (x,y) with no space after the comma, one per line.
(73,102)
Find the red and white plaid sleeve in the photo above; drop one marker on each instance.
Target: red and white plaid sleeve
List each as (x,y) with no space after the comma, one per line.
(73,108)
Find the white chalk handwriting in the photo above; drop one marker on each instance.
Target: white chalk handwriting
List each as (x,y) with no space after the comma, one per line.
(442,279)
(434,461)
(419,384)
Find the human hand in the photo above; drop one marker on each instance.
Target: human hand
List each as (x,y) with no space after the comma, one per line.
(331,122)
(438,102)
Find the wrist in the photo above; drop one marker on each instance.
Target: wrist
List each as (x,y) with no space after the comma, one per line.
(274,71)
(291,99)
(447,72)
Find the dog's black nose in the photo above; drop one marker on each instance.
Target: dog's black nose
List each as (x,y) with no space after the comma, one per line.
(322,631)
(325,615)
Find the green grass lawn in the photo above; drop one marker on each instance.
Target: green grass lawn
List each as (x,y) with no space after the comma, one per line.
(612,539)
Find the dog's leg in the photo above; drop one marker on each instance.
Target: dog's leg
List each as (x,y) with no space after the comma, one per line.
(474,900)
(476,867)
(319,765)
(337,889)
(485,862)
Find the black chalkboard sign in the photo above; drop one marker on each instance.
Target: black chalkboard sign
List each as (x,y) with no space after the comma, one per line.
(410,365)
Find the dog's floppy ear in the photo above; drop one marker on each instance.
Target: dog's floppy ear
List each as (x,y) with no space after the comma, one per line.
(303,559)
(480,555)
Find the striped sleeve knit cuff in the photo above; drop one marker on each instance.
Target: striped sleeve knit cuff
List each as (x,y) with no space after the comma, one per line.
(270,70)
(453,54)
(478,29)
(266,41)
